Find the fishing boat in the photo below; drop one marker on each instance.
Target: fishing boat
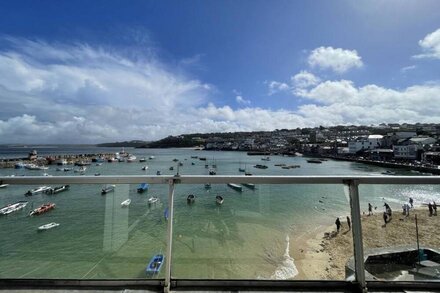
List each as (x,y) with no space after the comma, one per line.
(107,189)
(152,200)
(191,199)
(142,187)
(235,186)
(144,168)
(48,226)
(3,185)
(259,166)
(248,173)
(267,158)
(212,172)
(126,203)
(155,264)
(13,207)
(42,209)
(141,160)
(314,161)
(249,185)
(219,199)
(57,189)
(37,190)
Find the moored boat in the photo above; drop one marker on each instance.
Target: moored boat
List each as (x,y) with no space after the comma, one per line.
(3,185)
(13,207)
(107,189)
(151,157)
(58,189)
(212,172)
(314,161)
(158,172)
(219,199)
(155,264)
(48,226)
(207,185)
(37,190)
(131,158)
(249,185)
(42,209)
(126,203)
(235,186)
(259,166)
(152,200)
(142,187)
(191,199)
(144,168)
(141,160)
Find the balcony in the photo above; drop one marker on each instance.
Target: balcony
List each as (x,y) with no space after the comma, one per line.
(101,245)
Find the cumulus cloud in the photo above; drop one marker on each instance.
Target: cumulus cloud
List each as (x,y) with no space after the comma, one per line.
(335,59)
(304,79)
(430,46)
(276,87)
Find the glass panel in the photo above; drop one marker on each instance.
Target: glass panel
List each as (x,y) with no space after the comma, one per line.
(259,232)
(390,235)
(92,235)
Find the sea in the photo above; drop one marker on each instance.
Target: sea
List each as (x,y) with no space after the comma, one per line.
(249,236)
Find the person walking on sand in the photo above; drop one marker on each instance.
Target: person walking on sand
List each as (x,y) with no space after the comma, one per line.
(348,223)
(338,224)
(434,207)
(430,209)
(370,209)
(411,201)
(385,218)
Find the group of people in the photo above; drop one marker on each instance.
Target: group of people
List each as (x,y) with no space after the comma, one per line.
(432,208)
(339,224)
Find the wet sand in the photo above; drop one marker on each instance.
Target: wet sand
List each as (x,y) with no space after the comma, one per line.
(323,253)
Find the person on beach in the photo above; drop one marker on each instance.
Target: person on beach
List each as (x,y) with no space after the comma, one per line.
(411,201)
(338,224)
(430,209)
(385,218)
(348,223)
(370,209)
(434,207)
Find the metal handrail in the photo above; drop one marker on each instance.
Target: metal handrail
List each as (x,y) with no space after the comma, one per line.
(352,182)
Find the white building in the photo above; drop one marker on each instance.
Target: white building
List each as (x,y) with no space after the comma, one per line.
(368,143)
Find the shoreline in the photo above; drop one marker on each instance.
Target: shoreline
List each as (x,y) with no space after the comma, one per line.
(323,253)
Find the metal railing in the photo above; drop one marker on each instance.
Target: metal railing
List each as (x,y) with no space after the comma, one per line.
(169,283)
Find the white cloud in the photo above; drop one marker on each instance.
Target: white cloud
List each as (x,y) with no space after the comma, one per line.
(241,100)
(408,68)
(430,46)
(276,87)
(336,59)
(304,79)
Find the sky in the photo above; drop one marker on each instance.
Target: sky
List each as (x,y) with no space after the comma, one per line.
(104,71)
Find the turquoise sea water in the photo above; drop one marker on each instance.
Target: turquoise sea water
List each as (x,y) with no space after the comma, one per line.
(246,237)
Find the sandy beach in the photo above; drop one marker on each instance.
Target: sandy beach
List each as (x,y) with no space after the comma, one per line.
(323,253)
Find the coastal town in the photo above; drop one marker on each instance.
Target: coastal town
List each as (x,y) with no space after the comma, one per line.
(410,146)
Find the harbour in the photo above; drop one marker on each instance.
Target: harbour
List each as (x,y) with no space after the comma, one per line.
(245,234)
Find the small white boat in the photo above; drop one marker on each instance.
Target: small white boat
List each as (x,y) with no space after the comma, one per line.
(48,226)
(126,203)
(98,164)
(3,185)
(153,200)
(57,189)
(219,199)
(37,190)
(13,207)
(151,157)
(141,160)
(131,158)
(235,186)
(265,158)
(82,169)
(107,189)
(249,185)
(191,199)
(144,168)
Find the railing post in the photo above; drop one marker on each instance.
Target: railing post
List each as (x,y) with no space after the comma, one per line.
(169,236)
(358,247)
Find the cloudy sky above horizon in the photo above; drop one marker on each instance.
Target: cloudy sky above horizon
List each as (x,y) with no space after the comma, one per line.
(101,71)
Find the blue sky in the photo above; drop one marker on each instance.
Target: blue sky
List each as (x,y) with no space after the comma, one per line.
(116,70)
